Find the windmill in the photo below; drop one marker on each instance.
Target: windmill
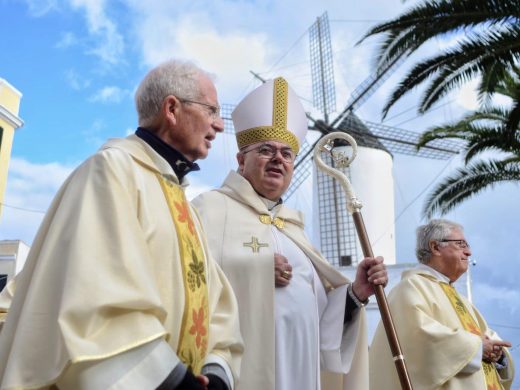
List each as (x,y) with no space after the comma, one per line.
(377,142)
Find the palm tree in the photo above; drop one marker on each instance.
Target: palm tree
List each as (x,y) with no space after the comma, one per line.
(492,128)
(490,48)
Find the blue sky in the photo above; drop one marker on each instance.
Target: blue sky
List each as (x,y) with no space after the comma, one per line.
(78,62)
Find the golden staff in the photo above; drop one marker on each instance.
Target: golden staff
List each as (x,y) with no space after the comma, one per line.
(341,160)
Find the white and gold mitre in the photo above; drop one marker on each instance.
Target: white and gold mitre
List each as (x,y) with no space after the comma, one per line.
(272,112)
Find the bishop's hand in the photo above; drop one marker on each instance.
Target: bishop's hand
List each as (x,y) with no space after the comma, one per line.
(282,270)
(371,271)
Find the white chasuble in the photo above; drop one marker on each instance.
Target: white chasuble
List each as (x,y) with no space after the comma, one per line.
(287,331)
(104,279)
(438,350)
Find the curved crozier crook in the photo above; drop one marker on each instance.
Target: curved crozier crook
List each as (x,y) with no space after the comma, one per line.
(326,144)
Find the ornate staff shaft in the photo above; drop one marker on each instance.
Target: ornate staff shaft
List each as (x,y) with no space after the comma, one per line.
(354,207)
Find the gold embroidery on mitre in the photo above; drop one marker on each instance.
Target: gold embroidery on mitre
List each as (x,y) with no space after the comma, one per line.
(193,336)
(278,131)
(470,325)
(268,220)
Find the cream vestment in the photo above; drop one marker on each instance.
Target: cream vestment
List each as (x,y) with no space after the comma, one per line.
(103,283)
(286,330)
(438,351)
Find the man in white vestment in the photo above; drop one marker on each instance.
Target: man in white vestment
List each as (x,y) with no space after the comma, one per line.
(118,291)
(296,310)
(445,340)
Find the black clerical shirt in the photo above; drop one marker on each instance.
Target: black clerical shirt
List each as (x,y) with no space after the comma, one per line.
(180,164)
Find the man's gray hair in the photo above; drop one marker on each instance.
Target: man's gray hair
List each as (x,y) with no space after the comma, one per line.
(435,230)
(174,77)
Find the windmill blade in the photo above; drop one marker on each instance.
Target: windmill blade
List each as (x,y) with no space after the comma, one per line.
(304,164)
(405,142)
(367,88)
(396,140)
(322,67)
(225,114)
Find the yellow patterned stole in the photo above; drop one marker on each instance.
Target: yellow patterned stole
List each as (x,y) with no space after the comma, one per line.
(469,323)
(193,338)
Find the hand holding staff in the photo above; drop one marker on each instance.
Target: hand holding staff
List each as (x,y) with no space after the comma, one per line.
(354,206)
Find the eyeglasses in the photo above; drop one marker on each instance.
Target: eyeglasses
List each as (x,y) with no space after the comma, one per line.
(213,111)
(268,152)
(462,244)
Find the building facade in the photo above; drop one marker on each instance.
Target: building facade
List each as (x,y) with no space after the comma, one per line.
(9,122)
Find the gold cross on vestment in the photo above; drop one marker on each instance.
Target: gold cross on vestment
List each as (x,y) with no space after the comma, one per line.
(255,245)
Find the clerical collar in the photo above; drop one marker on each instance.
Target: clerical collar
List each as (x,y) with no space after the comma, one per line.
(437,274)
(270,204)
(180,164)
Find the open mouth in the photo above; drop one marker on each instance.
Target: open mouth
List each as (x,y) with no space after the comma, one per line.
(275,171)
(208,143)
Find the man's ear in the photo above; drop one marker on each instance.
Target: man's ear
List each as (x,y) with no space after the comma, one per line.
(240,160)
(434,247)
(170,108)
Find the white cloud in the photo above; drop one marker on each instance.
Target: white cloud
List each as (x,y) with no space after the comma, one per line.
(40,8)
(466,96)
(75,81)
(68,39)
(504,298)
(94,133)
(196,188)
(30,189)
(30,178)
(110,94)
(109,42)
(218,53)
(228,55)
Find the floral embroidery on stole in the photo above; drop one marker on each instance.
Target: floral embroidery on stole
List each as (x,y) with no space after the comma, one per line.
(469,323)
(193,338)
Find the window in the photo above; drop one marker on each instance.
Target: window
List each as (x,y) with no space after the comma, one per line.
(3,281)
(346,261)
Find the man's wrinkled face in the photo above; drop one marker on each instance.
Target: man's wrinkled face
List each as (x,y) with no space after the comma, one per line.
(268,166)
(197,124)
(454,255)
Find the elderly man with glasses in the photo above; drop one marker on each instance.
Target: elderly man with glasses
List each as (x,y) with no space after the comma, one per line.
(295,308)
(445,340)
(118,291)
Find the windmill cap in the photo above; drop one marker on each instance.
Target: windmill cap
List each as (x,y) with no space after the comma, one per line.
(272,112)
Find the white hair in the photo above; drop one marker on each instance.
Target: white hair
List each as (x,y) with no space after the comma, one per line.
(435,230)
(174,77)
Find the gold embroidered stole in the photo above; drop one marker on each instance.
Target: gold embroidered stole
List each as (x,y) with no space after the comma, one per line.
(469,324)
(193,338)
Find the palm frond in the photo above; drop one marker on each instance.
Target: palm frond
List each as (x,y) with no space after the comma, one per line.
(492,77)
(483,130)
(434,18)
(490,139)
(454,67)
(469,181)
(513,122)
